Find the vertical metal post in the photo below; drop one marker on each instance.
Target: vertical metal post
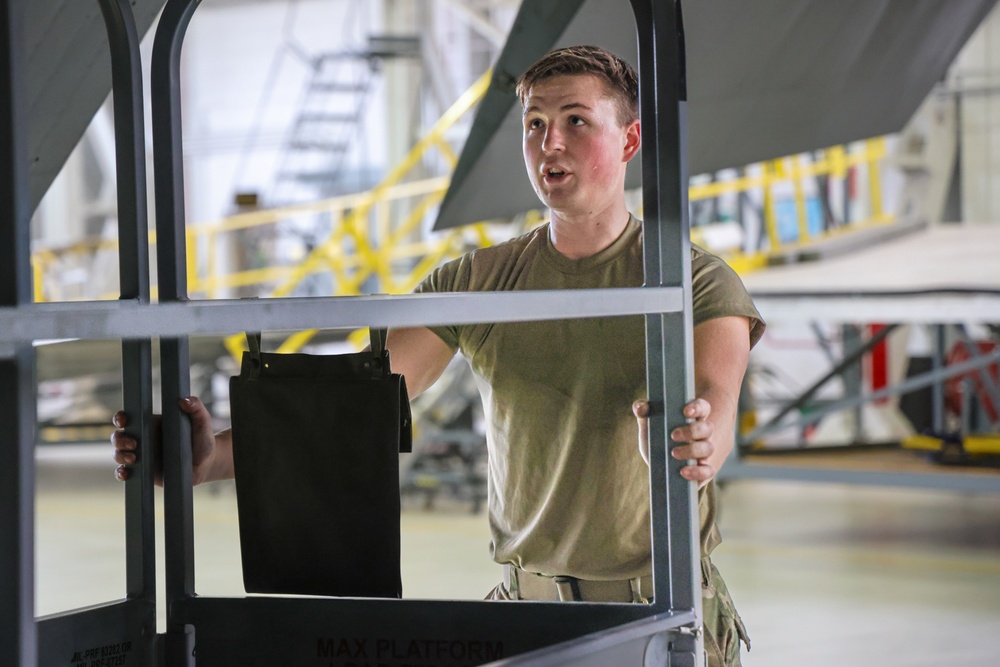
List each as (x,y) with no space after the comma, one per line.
(852,377)
(966,408)
(669,351)
(18,633)
(953,203)
(133,262)
(17,498)
(937,389)
(175,364)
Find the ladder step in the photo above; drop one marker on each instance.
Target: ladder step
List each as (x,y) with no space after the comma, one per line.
(317,145)
(394,46)
(327,117)
(325,176)
(335,56)
(335,87)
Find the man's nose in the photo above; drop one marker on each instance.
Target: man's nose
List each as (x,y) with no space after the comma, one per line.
(552,141)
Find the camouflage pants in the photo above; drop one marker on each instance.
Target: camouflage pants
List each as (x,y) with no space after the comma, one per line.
(723,628)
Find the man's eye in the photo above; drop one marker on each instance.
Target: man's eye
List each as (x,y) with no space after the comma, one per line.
(576,120)
(534,123)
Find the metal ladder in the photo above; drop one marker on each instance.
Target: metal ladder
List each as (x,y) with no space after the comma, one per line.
(328,122)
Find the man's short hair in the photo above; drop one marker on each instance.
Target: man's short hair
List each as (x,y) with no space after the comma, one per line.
(621,79)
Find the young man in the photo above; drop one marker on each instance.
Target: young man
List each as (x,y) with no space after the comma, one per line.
(568,485)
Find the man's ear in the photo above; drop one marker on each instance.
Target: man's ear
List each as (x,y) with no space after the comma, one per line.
(633,140)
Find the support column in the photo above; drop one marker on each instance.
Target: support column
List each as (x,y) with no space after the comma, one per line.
(853,378)
(18,633)
(133,262)
(17,504)
(402,77)
(175,366)
(937,389)
(669,347)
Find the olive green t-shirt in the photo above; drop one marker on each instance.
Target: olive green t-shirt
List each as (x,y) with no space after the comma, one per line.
(568,490)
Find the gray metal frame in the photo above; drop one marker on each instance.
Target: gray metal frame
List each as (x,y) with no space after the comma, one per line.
(277,630)
(131,622)
(17,362)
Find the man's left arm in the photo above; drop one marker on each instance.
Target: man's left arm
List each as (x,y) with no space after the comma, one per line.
(721,351)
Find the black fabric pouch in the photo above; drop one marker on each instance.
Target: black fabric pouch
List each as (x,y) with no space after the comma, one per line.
(316,442)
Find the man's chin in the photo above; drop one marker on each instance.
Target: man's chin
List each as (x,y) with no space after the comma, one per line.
(556,200)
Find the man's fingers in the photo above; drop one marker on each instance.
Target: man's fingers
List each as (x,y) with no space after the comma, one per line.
(699,430)
(124,457)
(125,446)
(700,449)
(699,408)
(191,405)
(640,409)
(695,438)
(196,410)
(701,472)
(122,441)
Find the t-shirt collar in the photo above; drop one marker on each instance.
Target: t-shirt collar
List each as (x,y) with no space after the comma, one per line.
(568,265)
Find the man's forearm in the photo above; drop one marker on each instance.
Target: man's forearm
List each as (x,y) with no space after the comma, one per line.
(721,351)
(220,465)
(723,419)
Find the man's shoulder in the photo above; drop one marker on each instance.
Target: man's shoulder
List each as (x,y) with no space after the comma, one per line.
(705,262)
(486,260)
(512,247)
(479,269)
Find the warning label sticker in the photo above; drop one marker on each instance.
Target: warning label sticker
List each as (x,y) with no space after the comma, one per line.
(109,655)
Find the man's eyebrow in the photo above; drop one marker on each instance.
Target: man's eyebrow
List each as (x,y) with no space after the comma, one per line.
(565,107)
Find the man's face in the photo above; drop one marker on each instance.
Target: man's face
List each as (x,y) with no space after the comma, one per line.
(575,150)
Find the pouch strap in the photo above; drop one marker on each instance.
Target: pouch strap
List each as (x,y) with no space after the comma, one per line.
(378,339)
(253,343)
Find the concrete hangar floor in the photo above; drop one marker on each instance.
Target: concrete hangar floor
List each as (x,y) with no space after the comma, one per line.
(823,574)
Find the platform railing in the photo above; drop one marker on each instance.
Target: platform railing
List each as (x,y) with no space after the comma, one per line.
(791,196)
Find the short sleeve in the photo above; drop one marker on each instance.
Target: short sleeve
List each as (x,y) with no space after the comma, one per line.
(718,292)
(450,277)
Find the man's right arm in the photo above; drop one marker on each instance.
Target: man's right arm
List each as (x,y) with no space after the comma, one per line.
(417,353)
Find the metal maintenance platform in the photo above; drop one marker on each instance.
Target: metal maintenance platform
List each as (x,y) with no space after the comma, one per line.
(271,630)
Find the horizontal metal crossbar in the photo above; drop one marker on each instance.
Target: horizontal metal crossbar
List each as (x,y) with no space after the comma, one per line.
(130,319)
(297,631)
(597,648)
(932,307)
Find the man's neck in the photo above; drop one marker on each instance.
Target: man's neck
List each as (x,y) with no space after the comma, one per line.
(577,237)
